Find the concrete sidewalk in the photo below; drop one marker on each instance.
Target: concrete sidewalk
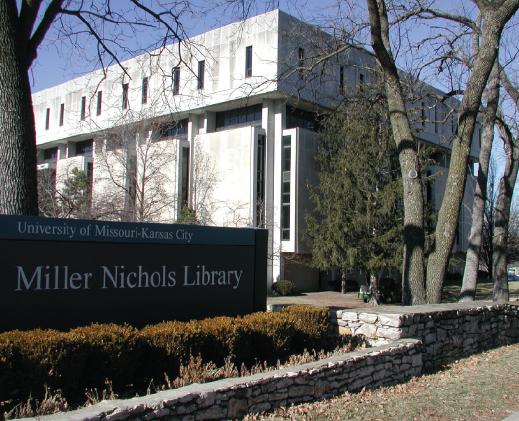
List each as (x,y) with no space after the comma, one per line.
(329,299)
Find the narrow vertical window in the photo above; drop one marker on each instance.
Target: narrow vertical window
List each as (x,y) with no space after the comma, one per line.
(422,112)
(99,102)
(47,119)
(436,119)
(61,114)
(125,96)
(452,122)
(201,74)
(285,187)
(176,80)
(301,61)
(341,79)
(145,90)
(260,181)
(248,61)
(83,108)
(185,176)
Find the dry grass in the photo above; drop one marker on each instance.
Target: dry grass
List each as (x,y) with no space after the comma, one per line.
(481,387)
(51,403)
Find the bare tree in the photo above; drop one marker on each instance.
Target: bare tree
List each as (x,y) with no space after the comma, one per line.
(67,196)
(513,236)
(502,214)
(203,179)
(494,17)
(479,213)
(136,173)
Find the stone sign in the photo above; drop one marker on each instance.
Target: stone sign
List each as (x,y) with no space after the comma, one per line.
(62,273)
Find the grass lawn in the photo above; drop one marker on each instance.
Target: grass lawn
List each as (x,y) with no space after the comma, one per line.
(451,290)
(481,387)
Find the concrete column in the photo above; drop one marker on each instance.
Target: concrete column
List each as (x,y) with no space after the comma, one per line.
(62,151)
(193,129)
(273,122)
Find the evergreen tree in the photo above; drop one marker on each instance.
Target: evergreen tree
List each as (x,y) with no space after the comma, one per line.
(357,221)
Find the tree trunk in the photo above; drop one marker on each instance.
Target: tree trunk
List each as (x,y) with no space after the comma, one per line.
(343,282)
(448,214)
(18,192)
(470,276)
(502,217)
(373,287)
(413,285)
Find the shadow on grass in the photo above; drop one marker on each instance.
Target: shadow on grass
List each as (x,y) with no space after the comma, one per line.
(484,290)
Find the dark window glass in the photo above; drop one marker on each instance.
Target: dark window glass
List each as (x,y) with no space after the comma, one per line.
(125,96)
(178,128)
(248,61)
(201,74)
(84,148)
(301,118)
(185,176)
(90,178)
(145,90)
(422,111)
(47,119)
(341,79)
(244,115)
(436,118)
(285,187)
(99,102)
(260,181)
(176,80)
(83,108)
(61,114)
(301,61)
(50,154)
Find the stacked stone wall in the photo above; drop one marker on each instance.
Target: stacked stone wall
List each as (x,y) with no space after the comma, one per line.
(233,398)
(448,332)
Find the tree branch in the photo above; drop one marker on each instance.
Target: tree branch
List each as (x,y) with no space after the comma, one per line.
(53,9)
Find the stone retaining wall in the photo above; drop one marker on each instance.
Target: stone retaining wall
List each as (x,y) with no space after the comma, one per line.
(410,340)
(448,331)
(233,398)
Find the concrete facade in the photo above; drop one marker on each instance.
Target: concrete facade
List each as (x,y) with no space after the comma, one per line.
(212,123)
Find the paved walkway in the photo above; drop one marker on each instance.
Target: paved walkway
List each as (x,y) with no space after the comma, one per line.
(330,299)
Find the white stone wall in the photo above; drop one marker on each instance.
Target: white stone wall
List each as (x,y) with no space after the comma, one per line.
(223,50)
(223,176)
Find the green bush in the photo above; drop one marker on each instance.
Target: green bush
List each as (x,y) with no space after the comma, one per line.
(84,357)
(284,287)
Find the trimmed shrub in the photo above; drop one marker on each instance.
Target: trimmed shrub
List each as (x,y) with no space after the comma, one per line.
(73,361)
(284,287)
(84,357)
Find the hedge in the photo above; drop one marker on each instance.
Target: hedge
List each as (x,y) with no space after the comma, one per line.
(84,357)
